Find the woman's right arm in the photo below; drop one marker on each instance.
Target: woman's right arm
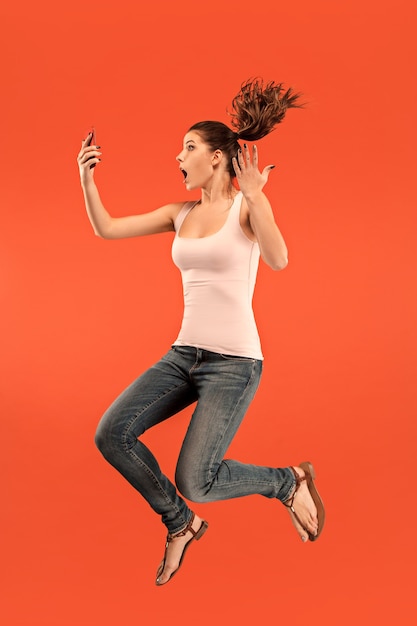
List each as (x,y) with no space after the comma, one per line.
(159,221)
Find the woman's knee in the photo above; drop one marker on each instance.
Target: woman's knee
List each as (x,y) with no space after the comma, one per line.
(115,431)
(109,436)
(102,436)
(191,488)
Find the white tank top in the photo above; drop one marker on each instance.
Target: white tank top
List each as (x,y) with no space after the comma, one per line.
(218,276)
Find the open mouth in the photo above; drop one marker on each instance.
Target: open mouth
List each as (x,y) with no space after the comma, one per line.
(184,173)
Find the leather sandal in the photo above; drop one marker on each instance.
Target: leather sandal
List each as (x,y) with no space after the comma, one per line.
(196,535)
(309,476)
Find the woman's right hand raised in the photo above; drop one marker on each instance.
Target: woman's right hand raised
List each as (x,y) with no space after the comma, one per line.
(87,156)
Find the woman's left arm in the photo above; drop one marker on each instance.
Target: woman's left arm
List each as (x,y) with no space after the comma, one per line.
(261,218)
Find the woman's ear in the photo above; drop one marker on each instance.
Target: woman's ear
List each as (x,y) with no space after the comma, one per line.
(216,157)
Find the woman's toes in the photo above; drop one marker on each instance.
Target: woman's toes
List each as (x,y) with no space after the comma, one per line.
(313,526)
(164,573)
(160,579)
(303,534)
(164,576)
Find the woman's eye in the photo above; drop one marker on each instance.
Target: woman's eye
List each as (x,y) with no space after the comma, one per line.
(190,147)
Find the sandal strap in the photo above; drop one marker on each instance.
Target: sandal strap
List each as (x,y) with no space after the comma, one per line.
(187,529)
(298,480)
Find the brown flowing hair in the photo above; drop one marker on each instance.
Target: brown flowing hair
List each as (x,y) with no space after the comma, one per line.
(256,110)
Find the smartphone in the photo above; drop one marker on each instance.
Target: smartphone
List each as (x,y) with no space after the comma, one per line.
(91,141)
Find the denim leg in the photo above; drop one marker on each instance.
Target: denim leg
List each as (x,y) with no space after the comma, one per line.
(158,394)
(225,386)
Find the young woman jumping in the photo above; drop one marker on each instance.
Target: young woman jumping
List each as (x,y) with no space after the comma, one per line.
(216,360)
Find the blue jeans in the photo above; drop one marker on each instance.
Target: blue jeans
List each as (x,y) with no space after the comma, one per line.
(223,387)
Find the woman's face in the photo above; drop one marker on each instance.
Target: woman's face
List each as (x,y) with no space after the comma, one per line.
(196,161)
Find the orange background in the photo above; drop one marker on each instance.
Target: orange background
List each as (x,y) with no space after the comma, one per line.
(81,317)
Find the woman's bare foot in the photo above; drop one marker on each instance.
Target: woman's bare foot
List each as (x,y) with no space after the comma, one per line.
(174,551)
(302,509)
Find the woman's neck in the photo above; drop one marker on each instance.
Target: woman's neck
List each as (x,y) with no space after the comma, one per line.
(218,191)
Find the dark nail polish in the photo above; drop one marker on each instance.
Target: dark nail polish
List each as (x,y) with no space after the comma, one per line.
(245,146)
(98,147)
